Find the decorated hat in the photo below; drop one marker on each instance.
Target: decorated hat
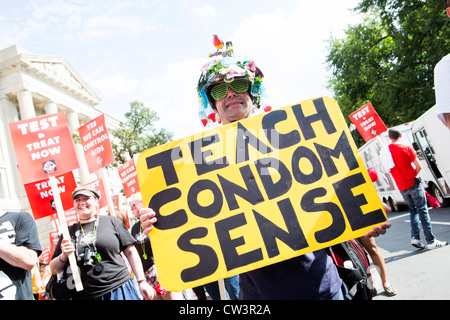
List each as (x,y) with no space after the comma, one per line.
(224,67)
(89,192)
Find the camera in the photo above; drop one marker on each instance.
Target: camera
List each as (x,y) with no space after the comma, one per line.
(91,259)
(88,257)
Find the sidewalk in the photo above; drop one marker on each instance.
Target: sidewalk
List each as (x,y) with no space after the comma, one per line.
(418,276)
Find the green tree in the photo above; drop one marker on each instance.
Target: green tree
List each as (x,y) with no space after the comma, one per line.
(389,58)
(138,133)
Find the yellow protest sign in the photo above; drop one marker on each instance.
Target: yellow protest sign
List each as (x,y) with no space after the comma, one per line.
(256,192)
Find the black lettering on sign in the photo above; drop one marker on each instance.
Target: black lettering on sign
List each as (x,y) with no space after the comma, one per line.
(277,140)
(293,237)
(299,175)
(200,156)
(165,161)
(352,203)
(337,226)
(321,115)
(232,259)
(252,194)
(196,208)
(171,221)
(208,259)
(342,147)
(274,189)
(245,138)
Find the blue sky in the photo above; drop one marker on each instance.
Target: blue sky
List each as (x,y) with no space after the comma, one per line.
(152,50)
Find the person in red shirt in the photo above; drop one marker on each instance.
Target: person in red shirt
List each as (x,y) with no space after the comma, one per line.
(405,176)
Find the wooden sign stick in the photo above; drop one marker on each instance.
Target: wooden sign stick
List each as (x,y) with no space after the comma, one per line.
(223,294)
(112,212)
(65,232)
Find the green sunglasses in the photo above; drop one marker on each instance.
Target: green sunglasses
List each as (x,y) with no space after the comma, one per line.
(219,91)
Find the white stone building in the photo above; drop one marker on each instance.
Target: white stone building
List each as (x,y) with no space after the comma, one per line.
(32,85)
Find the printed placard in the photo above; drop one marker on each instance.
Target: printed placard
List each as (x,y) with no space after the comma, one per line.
(99,186)
(96,144)
(70,215)
(368,122)
(43,147)
(256,192)
(128,176)
(40,195)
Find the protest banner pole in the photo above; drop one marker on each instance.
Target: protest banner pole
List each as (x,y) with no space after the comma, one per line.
(223,294)
(65,231)
(380,143)
(112,212)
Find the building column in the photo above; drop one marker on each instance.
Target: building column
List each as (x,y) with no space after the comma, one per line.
(26,105)
(74,124)
(51,107)
(13,188)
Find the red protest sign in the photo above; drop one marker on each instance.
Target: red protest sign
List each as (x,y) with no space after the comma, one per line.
(96,144)
(45,255)
(54,238)
(43,147)
(99,186)
(40,195)
(70,215)
(128,176)
(368,122)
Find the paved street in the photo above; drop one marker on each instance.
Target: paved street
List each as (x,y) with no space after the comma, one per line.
(416,274)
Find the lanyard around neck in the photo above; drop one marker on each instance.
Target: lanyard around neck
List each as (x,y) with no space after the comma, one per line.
(144,255)
(94,236)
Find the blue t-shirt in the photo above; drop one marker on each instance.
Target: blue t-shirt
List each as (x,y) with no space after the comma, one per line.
(312,276)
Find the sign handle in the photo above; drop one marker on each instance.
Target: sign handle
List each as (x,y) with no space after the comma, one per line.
(380,143)
(112,212)
(223,294)
(65,232)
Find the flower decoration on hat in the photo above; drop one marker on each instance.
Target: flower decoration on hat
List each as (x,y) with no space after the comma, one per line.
(224,67)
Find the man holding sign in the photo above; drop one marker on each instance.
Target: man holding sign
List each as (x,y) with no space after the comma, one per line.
(273,263)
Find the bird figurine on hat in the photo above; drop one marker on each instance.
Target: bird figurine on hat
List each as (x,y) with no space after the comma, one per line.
(217,42)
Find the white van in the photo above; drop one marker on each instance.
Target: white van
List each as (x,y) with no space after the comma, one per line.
(432,144)
(370,153)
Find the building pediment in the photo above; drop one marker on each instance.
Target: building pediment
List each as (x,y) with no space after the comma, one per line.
(58,71)
(52,68)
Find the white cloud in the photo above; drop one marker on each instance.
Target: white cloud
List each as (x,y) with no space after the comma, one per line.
(204,11)
(109,26)
(290,48)
(114,85)
(172,94)
(73,21)
(57,12)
